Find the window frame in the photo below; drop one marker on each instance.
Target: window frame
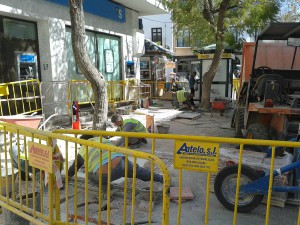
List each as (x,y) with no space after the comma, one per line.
(184,39)
(156,31)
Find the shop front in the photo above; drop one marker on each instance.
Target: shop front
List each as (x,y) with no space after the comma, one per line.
(155,67)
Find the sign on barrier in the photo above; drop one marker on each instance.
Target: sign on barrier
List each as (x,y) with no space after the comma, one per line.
(150,124)
(40,156)
(198,156)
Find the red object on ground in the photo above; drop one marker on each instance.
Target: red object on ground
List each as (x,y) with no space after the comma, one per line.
(76,125)
(220,105)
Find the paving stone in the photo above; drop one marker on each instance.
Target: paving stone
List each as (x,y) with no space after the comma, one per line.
(186,193)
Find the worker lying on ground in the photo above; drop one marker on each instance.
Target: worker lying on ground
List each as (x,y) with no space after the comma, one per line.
(129,125)
(117,164)
(183,97)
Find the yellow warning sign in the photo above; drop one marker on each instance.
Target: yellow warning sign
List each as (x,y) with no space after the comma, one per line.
(40,156)
(198,156)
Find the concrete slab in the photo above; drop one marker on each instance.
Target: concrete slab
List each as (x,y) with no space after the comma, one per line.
(189,115)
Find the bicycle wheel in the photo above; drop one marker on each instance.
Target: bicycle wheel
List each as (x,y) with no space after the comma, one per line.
(225,188)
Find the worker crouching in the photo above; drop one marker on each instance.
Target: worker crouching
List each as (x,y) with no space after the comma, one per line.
(129,125)
(183,97)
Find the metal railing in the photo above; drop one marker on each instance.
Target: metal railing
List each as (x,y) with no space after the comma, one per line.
(198,142)
(20,97)
(74,195)
(35,156)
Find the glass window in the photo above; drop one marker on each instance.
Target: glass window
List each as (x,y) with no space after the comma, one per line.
(106,42)
(96,44)
(157,35)
(19,29)
(183,38)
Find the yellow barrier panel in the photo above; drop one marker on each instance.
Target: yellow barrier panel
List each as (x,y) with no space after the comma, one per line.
(52,205)
(20,97)
(211,140)
(56,207)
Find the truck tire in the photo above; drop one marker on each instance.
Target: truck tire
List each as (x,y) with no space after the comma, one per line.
(225,188)
(239,122)
(258,131)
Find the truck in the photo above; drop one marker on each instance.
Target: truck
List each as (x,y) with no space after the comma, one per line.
(268,102)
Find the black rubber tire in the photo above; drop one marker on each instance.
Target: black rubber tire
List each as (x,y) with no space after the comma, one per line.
(257,131)
(239,122)
(228,200)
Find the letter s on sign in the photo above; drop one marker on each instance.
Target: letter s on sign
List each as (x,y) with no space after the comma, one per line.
(120,14)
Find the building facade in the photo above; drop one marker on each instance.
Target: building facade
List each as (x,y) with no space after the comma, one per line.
(35,38)
(159,29)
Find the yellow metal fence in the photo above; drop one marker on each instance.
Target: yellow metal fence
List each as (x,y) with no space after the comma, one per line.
(194,146)
(20,97)
(78,202)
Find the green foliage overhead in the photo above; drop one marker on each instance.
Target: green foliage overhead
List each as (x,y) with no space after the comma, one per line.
(200,17)
(290,11)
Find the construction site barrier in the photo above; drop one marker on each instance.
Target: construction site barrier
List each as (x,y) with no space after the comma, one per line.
(117,91)
(235,87)
(15,194)
(159,88)
(20,97)
(36,185)
(212,142)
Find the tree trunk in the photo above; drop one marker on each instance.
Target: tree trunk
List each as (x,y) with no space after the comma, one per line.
(86,67)
(220,39)
(208,78)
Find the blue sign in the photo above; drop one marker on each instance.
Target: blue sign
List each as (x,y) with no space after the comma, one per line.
(27,58)
(102,8)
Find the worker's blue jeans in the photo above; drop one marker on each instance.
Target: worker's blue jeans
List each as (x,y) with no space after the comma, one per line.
(119,171)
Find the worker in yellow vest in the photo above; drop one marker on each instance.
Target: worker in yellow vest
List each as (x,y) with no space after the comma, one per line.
(183,97)
(129,125)
(117,164)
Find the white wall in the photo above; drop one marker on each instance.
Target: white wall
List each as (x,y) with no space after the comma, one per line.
(159,21)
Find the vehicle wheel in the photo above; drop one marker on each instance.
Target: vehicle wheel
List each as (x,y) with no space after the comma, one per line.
(239,122)
(225,188)
(257,131)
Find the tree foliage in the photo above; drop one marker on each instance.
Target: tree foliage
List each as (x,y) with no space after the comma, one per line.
(216,22)
(200,17)
(289,11)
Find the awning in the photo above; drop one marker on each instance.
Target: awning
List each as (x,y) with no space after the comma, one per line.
(152,47)
(280,31)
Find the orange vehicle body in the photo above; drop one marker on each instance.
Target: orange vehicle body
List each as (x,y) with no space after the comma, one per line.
(275,63)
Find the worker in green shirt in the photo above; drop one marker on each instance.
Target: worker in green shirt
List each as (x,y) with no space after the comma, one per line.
(184,98)
(129,125)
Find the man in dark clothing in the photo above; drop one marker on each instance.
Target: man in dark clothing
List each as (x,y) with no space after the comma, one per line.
(117,164)
(192,83)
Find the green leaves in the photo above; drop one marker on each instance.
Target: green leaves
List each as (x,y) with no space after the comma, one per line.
(201,18)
